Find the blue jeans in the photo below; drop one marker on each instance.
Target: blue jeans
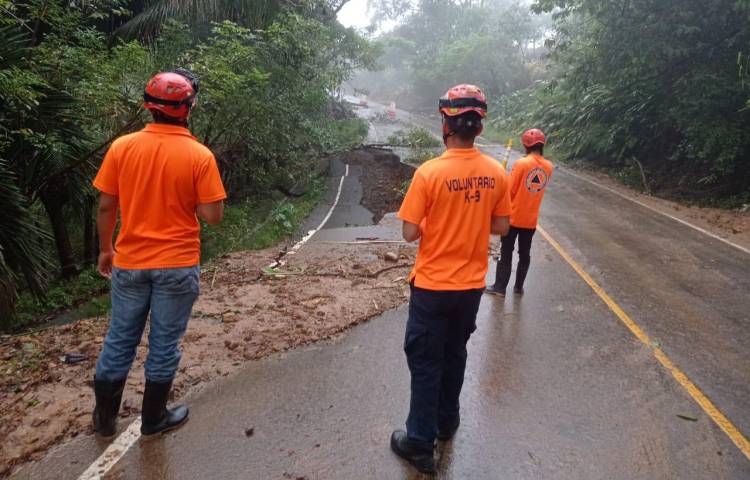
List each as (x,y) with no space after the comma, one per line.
(169,295)
(439,326)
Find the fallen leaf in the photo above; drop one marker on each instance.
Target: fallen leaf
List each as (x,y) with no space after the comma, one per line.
(689,418)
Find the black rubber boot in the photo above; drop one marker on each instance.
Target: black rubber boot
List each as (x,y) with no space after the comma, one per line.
(447,432)
(502,277)
(155,416)
(523,269)
(422,460)
(493,290)
(108,398)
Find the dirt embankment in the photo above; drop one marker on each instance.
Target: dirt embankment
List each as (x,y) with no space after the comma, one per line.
(383,184)
(733,225)
(245,312)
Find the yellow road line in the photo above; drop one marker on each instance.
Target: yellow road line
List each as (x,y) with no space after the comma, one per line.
(700,398)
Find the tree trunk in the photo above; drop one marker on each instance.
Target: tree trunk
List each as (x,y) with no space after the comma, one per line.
(54,208)
(90,239)
(8,298)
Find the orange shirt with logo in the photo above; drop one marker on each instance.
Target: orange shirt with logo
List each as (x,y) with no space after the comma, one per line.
(454,198)
(160,175)
(528,182)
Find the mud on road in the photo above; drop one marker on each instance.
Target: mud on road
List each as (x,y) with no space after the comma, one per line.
(245,313)
(385,179)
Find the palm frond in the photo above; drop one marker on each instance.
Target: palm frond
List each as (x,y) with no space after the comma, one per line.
(21,236)
(14,46)
(250,13)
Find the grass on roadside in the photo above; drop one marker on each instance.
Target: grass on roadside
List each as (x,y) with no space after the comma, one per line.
(253,225)
(346,134)
(63,295)
(421,143)
(416,138)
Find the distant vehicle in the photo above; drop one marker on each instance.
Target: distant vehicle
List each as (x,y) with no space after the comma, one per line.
(391,111)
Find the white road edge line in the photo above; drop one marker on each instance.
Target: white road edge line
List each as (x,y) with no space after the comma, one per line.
(113,453)
(311,233)
(118,448)
(672,217)
(327,217)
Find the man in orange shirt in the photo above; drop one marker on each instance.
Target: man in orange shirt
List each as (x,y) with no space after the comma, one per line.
(453,204)
(161,180)
(528,183)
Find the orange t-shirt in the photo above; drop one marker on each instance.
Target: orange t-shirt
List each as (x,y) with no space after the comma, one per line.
(528,182)
(160,175)
(456,195)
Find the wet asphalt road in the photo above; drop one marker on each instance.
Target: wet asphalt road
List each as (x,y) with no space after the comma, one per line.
(557,387)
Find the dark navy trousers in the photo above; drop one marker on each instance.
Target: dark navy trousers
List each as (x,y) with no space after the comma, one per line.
(439,326)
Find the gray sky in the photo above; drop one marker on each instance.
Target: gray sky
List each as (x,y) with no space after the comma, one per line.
(354,14)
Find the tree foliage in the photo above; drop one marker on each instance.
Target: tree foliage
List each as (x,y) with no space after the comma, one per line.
(71,80)
(440,43)
(652,83)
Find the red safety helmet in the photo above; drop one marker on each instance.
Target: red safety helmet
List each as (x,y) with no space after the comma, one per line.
(171,93)
(463,98)
(533,137)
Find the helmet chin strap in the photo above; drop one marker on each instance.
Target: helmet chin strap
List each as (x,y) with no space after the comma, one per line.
(459,122)
(447,133)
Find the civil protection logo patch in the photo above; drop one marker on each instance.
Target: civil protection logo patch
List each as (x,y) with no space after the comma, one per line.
(537,180)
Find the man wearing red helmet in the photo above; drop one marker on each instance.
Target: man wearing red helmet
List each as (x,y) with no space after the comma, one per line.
(160,180)
(453,204)
(528,183)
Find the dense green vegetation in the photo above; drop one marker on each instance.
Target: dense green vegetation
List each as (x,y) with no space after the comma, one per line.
(654,91)
(71,79)
(650,89)
(247,225)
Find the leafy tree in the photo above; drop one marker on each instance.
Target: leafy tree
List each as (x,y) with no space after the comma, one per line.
(440,43)
(255,14)
(69,86)
(652,85)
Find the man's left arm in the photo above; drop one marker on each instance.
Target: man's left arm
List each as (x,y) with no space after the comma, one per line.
(411,232)
(211,193)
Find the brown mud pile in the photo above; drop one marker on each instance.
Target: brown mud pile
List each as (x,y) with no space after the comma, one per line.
(384,181)
(733,225)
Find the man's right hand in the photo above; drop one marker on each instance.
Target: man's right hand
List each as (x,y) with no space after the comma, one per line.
(105,264)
